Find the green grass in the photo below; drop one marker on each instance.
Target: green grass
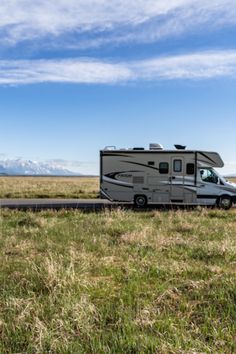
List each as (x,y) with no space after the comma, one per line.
(118,282)
(49,187)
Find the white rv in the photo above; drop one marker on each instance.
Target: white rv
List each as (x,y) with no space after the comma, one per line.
(158,176)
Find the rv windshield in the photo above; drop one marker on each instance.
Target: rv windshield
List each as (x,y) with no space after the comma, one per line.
(209,175)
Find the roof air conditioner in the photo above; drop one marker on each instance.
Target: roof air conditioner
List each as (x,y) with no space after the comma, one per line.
(156,147)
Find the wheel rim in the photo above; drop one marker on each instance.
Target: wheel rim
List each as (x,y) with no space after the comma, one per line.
(141,201)
(225,202)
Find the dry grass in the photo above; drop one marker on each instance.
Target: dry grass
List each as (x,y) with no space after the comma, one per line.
(118,282)
(49,187)
(233,180)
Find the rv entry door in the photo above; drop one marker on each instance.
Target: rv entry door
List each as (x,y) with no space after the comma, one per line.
(177,180)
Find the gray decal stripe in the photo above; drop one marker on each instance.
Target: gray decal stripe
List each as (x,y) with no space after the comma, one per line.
(118,184)
(141,164)
(207,196)
(114,174)
(183,185)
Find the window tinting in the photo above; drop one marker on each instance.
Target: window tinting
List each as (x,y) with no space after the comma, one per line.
(163,167)
(177,165)
(190,169)
(151,163)
(209,175)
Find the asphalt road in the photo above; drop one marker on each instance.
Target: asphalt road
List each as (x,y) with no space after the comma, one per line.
(83,204)
(40,204)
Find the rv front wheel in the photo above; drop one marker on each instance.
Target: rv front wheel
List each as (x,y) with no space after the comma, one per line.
(140,201)
(225,202)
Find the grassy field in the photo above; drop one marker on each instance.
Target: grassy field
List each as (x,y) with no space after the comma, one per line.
(49,187)
(118,282)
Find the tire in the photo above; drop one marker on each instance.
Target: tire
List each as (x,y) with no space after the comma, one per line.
(140,201)
(224,202)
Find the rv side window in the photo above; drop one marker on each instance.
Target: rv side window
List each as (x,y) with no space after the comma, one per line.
(190,169)
(177,165)
(151,163)
(163,167)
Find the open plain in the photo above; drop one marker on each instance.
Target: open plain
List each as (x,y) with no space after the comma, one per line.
(49,187)
(117,281)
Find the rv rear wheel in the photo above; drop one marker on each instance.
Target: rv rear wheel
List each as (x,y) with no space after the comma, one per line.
(225,202)
(140,201)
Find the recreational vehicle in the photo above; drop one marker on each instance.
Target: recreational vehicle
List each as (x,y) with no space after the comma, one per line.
(158,176)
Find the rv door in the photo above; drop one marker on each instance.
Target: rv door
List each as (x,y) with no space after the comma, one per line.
(177,180)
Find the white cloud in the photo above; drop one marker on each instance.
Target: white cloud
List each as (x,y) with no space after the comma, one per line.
(133,20)
(190,16)
(69,70)
(203,65)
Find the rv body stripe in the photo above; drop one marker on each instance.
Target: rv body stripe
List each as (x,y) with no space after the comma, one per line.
(141,164)
(118,184)
(183,185)
(207,196)
(105,194)
(191,189)
(114,174)
(179,184)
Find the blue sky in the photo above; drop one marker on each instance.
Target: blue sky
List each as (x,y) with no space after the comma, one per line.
(77,75)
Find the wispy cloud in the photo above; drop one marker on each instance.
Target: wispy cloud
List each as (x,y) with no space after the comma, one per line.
(106,21)
(69,70)
(203,65)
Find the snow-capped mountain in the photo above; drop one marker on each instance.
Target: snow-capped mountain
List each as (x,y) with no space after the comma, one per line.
(23,167)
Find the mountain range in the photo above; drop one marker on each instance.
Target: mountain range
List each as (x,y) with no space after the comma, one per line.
(28,168)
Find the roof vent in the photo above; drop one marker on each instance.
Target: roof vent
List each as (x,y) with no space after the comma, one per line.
(110,147)
(155,147)
(180,147)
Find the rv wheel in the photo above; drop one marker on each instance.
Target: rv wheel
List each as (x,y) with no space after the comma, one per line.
(225,202)
(140,201)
